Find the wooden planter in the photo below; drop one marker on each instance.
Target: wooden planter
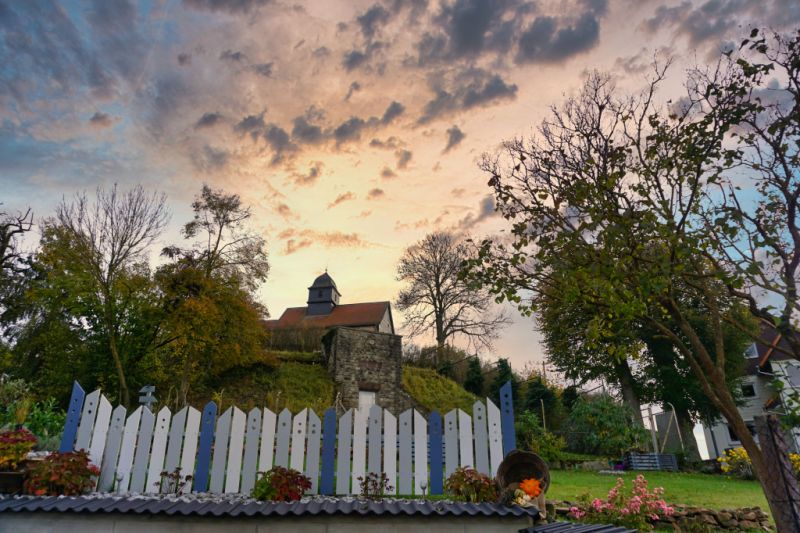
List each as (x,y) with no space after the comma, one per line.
(11,482)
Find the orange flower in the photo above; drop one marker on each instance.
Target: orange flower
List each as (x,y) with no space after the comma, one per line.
(532,487)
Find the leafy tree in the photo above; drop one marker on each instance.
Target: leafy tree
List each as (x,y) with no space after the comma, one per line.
(502,374)
(539,394)
(601,426)
(435,298)
(474,380)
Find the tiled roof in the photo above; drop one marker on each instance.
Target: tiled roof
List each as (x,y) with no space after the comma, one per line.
(195,506)
(363,314)
(567,527)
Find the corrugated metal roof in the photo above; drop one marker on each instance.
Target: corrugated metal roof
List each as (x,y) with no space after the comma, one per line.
(568,527)
(245,507)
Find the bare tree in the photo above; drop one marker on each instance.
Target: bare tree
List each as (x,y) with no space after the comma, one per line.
(435,298)
(112,234)
(12,227)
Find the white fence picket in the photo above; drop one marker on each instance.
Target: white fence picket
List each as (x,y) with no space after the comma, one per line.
(221,436)
(390,449)
(420,452)
(450,443)
(267,441)
(495,437)
(100,433)
(404,442)
(298,451)
(343,453)
(108,470)
(359,448)
(249,467)
(87,421)
(159,450)
(189,456)
(282,436)
(142,455)
(235,451)
(175,441)
(312,450)
(481,438)
(374,439)
(465,439)
(126,452)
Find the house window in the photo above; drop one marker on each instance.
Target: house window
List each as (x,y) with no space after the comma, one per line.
(751,352)
(319,294)
(732,435)
(366,399)
(748,390)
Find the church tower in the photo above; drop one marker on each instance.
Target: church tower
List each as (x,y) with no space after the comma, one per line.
(323,296)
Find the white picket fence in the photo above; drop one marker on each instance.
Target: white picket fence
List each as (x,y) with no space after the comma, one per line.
(224,453)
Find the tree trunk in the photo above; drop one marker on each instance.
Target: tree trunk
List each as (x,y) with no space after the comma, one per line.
(628,387)
(686,425)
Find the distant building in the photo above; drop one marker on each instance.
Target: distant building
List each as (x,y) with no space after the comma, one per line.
(772,378)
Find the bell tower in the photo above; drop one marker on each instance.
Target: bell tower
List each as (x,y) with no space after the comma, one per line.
(323,295)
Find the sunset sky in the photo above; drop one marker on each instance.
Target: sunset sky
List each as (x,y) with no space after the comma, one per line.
(352,128)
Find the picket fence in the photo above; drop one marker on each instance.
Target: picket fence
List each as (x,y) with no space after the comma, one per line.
(224,453)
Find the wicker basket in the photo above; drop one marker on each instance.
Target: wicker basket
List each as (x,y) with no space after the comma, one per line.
(518,466)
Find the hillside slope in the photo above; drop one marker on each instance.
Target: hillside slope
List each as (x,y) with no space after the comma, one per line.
(432,391)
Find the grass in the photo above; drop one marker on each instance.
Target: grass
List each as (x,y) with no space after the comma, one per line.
(303,385)
(704,490)
(433,391)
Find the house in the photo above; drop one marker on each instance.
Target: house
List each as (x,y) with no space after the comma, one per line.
(771,385)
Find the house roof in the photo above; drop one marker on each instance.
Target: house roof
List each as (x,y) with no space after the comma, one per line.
(324,281)
(771,346)
(362,314)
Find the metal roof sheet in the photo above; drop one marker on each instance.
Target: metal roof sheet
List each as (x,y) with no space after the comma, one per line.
(569,527)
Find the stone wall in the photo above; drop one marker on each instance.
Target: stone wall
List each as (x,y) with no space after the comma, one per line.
(366,360)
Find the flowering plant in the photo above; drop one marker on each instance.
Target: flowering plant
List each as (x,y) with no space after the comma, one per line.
(635,510)
(281,484)
(469,485)
(527,492)
(14,447)
(736,462)
(374,486)
(70,474)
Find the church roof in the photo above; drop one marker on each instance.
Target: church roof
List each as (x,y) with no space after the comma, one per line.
(323,281)
(362,314)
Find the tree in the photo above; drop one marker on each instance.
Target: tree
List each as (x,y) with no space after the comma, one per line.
(435,298)
(110,236)
(474,381)
(600,426)
(544,400)
(12,227)
(503,373)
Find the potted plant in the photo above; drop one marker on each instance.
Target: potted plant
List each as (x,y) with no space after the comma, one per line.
(14,447)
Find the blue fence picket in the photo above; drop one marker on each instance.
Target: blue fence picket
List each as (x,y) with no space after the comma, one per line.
(436,471)
(328,452)
(73,418)
(507,419)
(204,449)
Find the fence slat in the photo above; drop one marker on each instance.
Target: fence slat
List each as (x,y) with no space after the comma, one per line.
(126,452)
(507,418)
(404,441)
(390,449)
(142,455)
(298,451)
(73,418)
(190,445)
(495,437)
(220,451)
(267,441)
(282,438)
(108,470)
(100,433)
(207,421)
(252,434)
(481,438)
(343,453)
(435,430)
(88,415)
(465,439)
(359,467)
(450,443)
(375,436)
(312,450)
(160,433)
(420,452)
(175,441)
(235,451)
(328,452)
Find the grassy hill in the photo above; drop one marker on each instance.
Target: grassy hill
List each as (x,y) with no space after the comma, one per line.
(432,391)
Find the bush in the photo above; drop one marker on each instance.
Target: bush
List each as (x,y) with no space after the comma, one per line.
(735,462)
(280,484)
(469,485)
(531,436)
(636,510)
(46,421)
(68,474)
(601,426)
(14,447)
(374,486)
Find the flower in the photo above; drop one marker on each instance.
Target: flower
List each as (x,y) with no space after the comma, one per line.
(532,487)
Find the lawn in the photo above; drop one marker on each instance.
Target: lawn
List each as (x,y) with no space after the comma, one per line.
(704,490)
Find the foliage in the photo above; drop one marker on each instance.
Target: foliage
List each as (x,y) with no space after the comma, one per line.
(538,393)
(46,420)
(431,391)
(636,510)
(795,460)
(504,373)
(735,462)
(474,381)
(532,437)
(280,484)
(14,447)
(601,426)
(374,486)
(172,482)
(67,474)
(468,485)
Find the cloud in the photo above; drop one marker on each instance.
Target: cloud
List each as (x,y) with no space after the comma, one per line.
(403,158)
(388,173)
(354,87)
(278,140)
(208,120)
(468,89)
(458,192)
(314,173)
(356,58)
(375,194)
(299,239)
(262,69)
(184,59)
(394,110)
(233,57)
(389,144)
(486,210)
(284,210)
(454,138)
(372,19)
(304,131)
(101,120)
(552,39)
(349,130)
(228,6)
(210,159)
(252,124)
(344,197)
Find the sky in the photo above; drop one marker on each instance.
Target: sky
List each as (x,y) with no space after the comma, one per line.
(352,128)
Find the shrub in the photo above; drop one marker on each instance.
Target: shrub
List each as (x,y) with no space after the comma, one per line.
(46,421)
(795,459)
(68,474)
(469,485)
(601,426)
(280,484)
(735,462)
(531,436)
(14,447)
(172,482)
(636,510)
(374,486)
